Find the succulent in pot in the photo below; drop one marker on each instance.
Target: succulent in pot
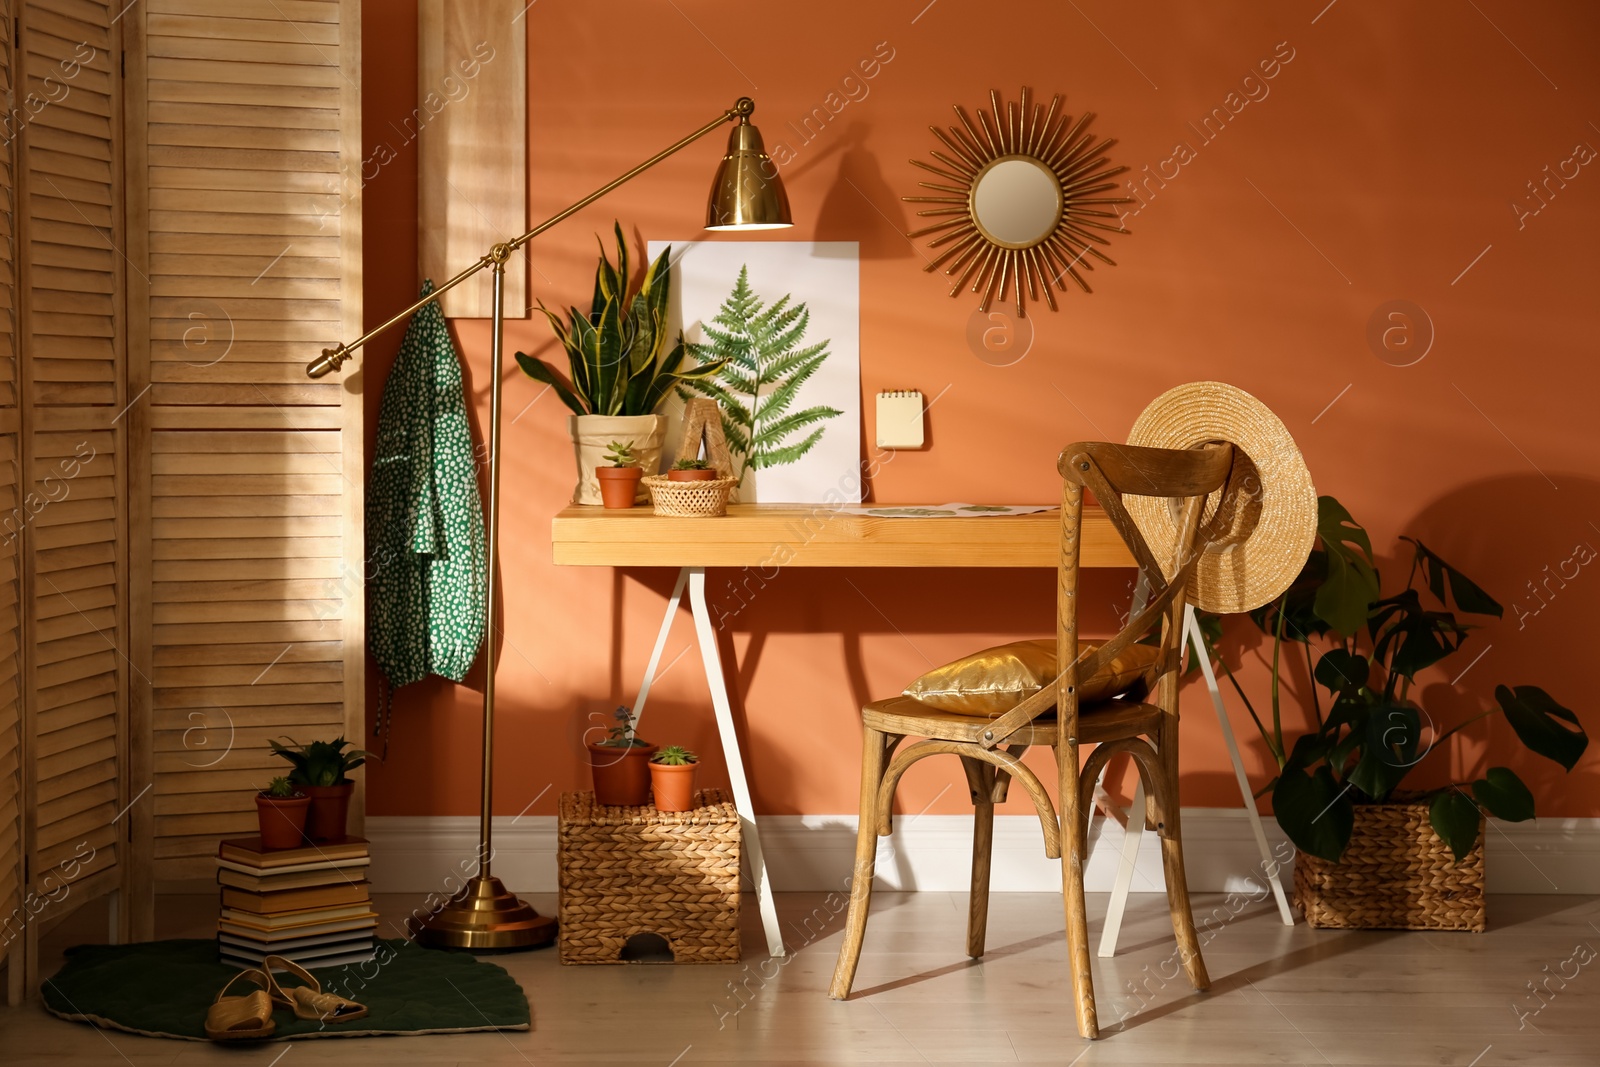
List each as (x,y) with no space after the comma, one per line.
(620,763)
(619,482)
(672,778)
(281,814)
(693,470)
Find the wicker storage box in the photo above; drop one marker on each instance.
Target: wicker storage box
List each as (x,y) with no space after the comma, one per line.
(1395,875)
(627,871)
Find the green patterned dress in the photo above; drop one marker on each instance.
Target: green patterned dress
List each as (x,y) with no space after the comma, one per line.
(427,566)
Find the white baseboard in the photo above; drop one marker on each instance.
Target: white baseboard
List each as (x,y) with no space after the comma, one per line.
(428,854)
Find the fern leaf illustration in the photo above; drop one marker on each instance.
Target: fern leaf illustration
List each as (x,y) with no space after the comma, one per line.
(763,373)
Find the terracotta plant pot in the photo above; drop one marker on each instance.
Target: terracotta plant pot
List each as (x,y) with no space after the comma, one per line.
(618,485)
(282,819)
(621,775)
(673,786)
(330,810)
(592,436)
(707,475)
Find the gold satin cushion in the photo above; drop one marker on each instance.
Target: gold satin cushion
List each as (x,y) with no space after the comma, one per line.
(994,681)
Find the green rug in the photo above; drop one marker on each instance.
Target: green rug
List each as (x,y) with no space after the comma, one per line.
(163,988)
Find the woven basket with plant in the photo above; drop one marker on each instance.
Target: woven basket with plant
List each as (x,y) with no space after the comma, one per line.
(1371,856)
(703,499)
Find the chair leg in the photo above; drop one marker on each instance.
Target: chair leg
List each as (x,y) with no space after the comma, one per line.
(875,748)
(981,779)
(1074,830)
(1165,795)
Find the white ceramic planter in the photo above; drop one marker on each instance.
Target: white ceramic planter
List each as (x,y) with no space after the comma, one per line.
(592,434)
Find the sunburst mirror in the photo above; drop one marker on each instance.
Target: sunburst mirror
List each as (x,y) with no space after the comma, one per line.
(1017,190)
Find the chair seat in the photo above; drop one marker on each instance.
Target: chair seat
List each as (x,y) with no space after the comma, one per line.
(1108,720)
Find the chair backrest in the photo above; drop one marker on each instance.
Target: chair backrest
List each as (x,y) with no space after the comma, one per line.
(1112,471)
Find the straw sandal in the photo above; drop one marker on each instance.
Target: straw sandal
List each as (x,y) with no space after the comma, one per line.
(242,1018)
(309,1001)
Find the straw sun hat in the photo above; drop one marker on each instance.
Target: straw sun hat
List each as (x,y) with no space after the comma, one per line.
(1262,524)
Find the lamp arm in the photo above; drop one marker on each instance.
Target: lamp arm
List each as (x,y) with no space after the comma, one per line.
(331,358)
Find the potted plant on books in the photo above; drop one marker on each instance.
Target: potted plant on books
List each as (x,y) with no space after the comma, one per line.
(322,770)
(672,778)
(619,365)
(1371,854)
(620,764)
(693,470)
(619,483)
(281,812)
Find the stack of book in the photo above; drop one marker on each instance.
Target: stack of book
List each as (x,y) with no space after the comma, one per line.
(311,905)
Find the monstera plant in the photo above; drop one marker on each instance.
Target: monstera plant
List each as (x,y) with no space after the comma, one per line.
(1372,731)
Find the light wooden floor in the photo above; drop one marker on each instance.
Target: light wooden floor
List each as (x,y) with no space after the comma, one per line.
(1280,996)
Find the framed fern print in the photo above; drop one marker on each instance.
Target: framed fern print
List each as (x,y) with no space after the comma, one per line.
(786,317)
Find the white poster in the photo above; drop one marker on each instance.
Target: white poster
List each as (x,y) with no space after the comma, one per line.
(786,316)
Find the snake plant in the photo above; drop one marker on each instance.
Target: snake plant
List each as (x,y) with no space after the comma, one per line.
(617,354)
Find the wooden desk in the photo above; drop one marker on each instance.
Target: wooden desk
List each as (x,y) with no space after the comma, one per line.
(787,535)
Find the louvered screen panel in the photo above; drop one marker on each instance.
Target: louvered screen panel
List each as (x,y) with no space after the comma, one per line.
(12,914)
(251,503)
(73,366)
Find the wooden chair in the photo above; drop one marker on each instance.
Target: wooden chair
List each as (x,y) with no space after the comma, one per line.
(990,749)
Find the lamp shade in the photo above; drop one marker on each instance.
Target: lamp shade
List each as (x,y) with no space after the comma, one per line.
(747,193)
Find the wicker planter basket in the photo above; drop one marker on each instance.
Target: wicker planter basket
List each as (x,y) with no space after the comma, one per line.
(628,871)
(1396,874)
(703,499)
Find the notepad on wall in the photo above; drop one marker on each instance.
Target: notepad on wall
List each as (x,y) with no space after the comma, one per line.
(900,419)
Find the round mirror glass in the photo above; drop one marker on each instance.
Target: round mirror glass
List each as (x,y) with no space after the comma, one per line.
(1017,202)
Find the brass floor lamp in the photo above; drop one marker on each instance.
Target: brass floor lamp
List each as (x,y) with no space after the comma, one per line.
(746,194)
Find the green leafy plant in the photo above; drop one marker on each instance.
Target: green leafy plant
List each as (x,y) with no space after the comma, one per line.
(675,756)
(281,789)
(617,355)
(1371,736)
(692,465)
(621,454)
(320,763)
(622,734)
(761,367)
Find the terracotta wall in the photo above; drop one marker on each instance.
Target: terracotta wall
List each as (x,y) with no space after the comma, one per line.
(1435,152)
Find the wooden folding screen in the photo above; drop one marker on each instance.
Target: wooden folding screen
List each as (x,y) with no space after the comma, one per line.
(71,333)
(181,566)
(244,193)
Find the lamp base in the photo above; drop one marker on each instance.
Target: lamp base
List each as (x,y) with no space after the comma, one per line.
(484,916)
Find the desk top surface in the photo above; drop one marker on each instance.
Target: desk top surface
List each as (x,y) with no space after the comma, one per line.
(800,535)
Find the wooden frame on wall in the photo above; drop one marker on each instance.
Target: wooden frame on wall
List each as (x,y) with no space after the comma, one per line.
(472,89)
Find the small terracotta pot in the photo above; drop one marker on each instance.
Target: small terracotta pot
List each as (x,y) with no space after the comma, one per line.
(330,810)
(673,786)
(618,485)
(282,819)
(621,775)
(707,475)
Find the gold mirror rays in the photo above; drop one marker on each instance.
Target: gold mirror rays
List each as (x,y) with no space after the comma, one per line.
(1018,195)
